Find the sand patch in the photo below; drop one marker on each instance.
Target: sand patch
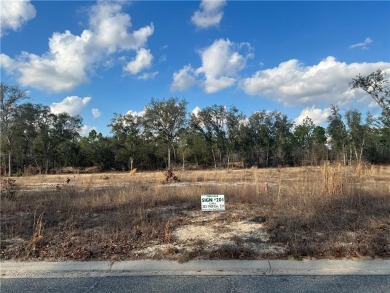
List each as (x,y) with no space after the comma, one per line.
(212,231)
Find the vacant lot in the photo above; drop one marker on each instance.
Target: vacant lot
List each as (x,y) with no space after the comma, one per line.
(320,212)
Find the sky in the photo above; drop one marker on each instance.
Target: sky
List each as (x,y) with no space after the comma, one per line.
(97,58)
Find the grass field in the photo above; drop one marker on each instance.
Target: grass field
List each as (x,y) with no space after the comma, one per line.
(310,212)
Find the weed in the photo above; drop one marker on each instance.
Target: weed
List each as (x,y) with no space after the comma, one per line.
(332,179)
(9,188)
(297,257)
(184,257)
(199,243)
(37,240)
(89,184)
(229,251)
(328,212)
(168,232)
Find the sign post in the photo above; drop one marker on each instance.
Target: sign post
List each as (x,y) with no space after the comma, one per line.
(213,202)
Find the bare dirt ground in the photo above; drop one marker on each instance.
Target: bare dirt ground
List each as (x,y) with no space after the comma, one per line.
(329,212)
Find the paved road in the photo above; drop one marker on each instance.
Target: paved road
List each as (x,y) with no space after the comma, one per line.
(195,284)
(196,276)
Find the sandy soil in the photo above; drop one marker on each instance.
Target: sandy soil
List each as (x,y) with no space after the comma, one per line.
(212,231)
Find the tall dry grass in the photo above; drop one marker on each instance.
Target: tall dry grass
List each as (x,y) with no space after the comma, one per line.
(328,211)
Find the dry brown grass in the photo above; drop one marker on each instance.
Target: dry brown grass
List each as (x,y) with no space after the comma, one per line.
(322,212)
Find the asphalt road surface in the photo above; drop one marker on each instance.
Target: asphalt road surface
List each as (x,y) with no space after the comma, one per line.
(207,284)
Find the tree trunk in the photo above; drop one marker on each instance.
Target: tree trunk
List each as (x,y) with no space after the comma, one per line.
(174,153)
(361,151)
(215,163)
(356,154)
(267,159)
(183,162)
(169,158)
(350,156)
(344,156)
(9,164)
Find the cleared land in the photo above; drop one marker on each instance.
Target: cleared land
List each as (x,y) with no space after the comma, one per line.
(315,212)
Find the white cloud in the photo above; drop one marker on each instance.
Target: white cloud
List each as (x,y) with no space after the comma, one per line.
(14,14)
(6,62)
(72,105)
(183,78)
(292,83)
(163,59)
(63,68)
(148,75)
(195,111)
(142,60)
(317,115)
(136,113)
(209,13)
(71,58)
(110,26)
(96,113)
(86,129)
(220,65)
(373,105)
(363,45)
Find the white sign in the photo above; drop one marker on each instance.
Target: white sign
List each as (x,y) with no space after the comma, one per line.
(212,202)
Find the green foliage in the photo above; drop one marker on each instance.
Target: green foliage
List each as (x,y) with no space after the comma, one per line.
(34,138)
(127,140)
(297,257)
(338,135)
(164,119)
(375,84)
(10,97)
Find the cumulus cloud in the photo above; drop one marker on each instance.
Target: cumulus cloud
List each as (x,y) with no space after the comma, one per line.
(86,129)
(363,45)
(183,78)
(209,13)
(14,14)
(136,114)
(72,105)
(6,62)
(142,60)
(64,67)
(317,115)
(110,27)
(71,58)
(221,63)
(293,83)
(148,75)
(96,113)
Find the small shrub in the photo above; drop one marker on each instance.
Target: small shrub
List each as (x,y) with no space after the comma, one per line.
(232,252)
(184,257)
(9,188)
(297,257)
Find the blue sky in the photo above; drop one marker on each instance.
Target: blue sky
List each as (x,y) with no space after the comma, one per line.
(100,58)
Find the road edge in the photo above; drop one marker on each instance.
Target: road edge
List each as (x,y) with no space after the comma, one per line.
(15,269)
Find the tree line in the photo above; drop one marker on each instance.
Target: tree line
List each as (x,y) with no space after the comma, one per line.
(33,139)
